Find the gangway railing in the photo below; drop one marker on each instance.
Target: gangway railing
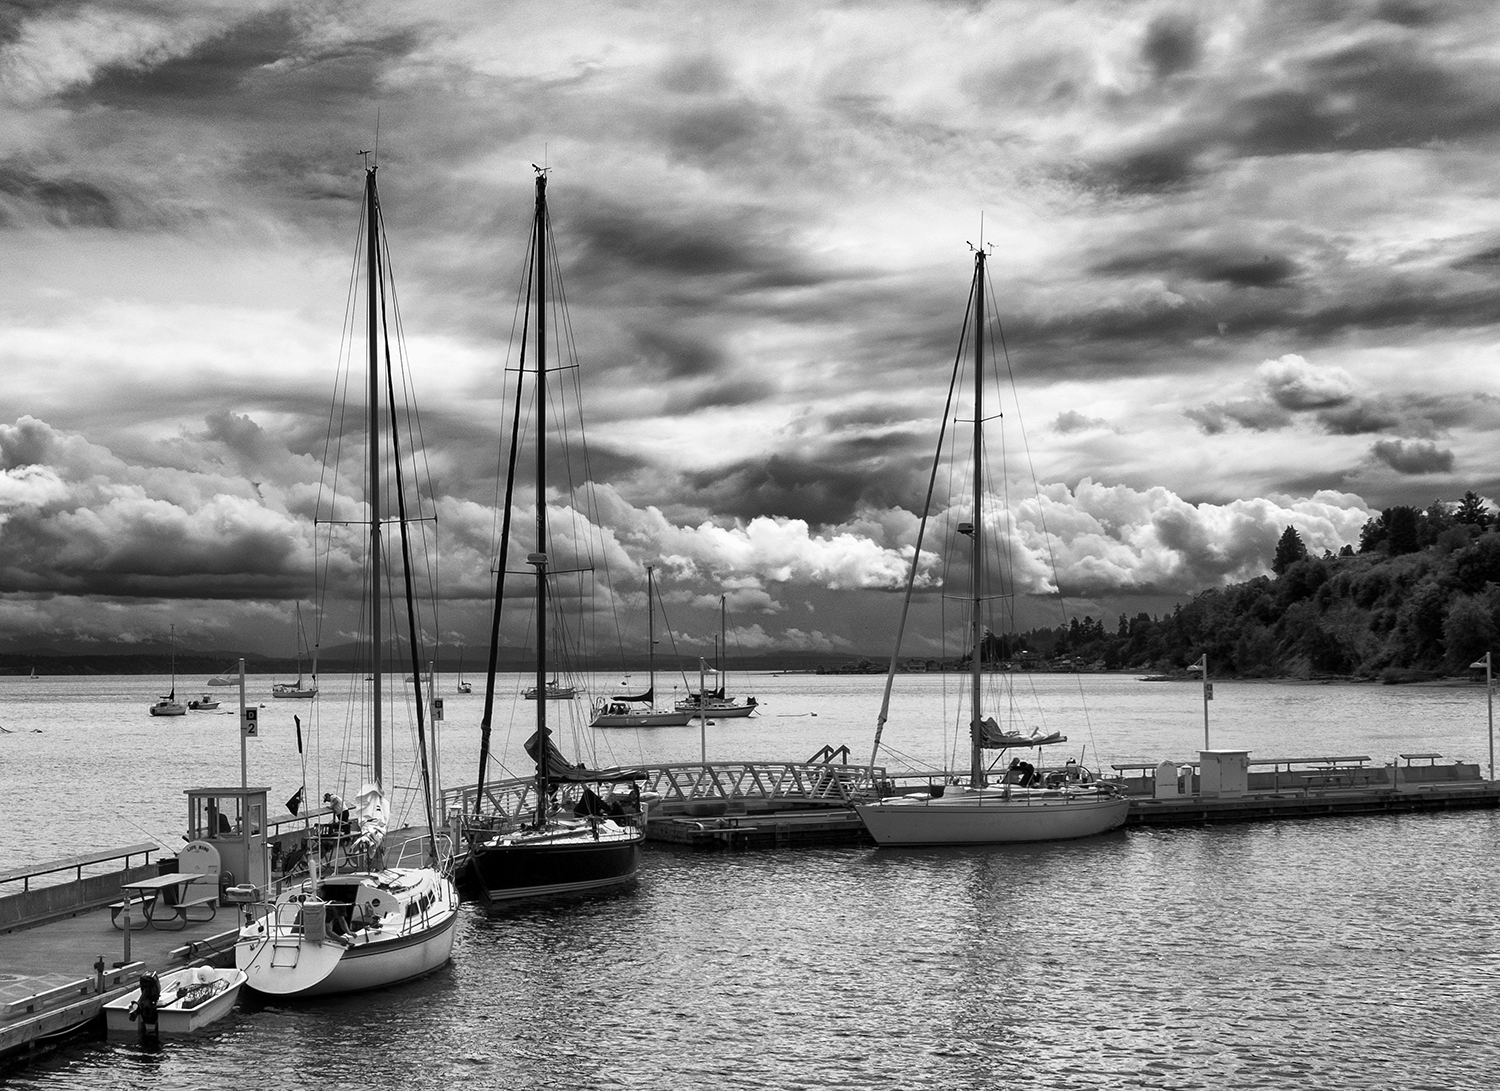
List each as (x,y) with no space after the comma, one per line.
(680,785)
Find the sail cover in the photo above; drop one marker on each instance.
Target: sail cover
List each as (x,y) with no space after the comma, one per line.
(558,767)
(372,819)
(636,698)
(991,737)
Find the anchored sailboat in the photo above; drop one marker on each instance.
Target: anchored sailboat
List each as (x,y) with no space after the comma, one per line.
(373,924)
(719,704)
(298,688)
(554,849)
(169,705)
(1022,807)
(620,710)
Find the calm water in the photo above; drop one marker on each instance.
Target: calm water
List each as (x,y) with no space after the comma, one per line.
(1340,953)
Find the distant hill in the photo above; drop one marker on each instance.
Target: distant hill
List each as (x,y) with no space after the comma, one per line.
(191,665)
(1420,599)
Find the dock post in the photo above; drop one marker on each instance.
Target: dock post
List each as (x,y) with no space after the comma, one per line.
(125,913)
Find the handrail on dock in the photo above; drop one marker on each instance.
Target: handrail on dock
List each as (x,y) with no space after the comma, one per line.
(77,863)
(1275,763)
(689,782)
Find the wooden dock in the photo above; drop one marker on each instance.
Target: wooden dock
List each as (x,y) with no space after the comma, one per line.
(56,975)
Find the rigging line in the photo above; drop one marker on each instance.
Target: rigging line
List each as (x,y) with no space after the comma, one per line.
(486,720)
(411,609)
(916,557)
(1042,521)
(391,300)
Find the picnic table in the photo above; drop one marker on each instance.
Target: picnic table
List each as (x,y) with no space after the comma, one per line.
(164,901)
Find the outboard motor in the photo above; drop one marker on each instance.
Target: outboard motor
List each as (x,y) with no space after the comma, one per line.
(144,1009)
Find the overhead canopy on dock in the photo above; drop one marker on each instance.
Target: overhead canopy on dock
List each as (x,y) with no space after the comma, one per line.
(558,767)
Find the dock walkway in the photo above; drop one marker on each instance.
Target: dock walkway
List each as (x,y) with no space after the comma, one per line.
(56,975)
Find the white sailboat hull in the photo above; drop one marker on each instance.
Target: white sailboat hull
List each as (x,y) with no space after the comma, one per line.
(655,718)
(280,958)
(991,817)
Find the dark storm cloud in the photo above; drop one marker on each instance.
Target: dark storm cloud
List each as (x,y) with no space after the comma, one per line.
(1171,44)
(1413,457)
(825,484)
(818,493)
(1162,169)
(607,240)
(61,202)
(211,70)
(1232,265)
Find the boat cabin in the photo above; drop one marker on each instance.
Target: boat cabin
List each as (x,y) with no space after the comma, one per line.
(233,820)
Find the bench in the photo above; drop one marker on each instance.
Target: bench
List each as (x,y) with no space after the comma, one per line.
(138,903)
(1430,759)
(179,915)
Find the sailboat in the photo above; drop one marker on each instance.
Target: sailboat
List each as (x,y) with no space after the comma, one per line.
(298,688)
(1022,806)
(463,686)
(719,705)
(555,850)
(372,925)
(620,710)
(169,705)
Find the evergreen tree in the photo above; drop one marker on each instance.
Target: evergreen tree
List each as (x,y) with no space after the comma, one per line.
(1401,527)
(1472,511)
(1289,551)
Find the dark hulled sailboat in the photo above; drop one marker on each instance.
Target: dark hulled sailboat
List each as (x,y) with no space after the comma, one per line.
(556,848)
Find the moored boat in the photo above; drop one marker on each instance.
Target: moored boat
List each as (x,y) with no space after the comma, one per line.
(639,709)
(168,704)
(299,689)
(718,703)
(176,1003)
(373,924)
(547,851)
(1022,806)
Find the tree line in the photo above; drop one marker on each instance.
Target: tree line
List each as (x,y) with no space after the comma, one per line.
(1418,597)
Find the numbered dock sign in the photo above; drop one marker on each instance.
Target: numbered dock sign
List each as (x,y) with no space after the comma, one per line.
(1208,691)
(437,709)
(249,725)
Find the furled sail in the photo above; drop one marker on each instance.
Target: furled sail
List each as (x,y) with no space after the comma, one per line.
(991,737)
(558,767)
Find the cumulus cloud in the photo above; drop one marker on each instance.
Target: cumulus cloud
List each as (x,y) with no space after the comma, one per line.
(764,257)
(1294,384)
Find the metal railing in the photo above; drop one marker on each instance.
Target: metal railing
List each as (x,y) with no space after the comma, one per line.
(677,786)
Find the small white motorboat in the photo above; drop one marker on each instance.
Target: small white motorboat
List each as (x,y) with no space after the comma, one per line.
(185,1001)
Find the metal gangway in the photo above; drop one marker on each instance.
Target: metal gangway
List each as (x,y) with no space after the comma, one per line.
(678,788)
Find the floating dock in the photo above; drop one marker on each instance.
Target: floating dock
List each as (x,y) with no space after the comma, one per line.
(62,957)
(1221,786)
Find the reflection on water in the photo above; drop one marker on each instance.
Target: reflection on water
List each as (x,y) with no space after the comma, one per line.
(1358,952)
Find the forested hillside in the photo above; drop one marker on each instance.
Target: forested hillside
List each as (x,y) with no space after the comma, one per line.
(1418,596)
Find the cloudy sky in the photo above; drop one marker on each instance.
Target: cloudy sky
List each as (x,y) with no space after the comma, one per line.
(1246,256)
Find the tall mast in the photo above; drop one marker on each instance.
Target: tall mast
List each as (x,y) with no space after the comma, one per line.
(976,757)
(372,273)
(722,650)
(539,558)
(651,637)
